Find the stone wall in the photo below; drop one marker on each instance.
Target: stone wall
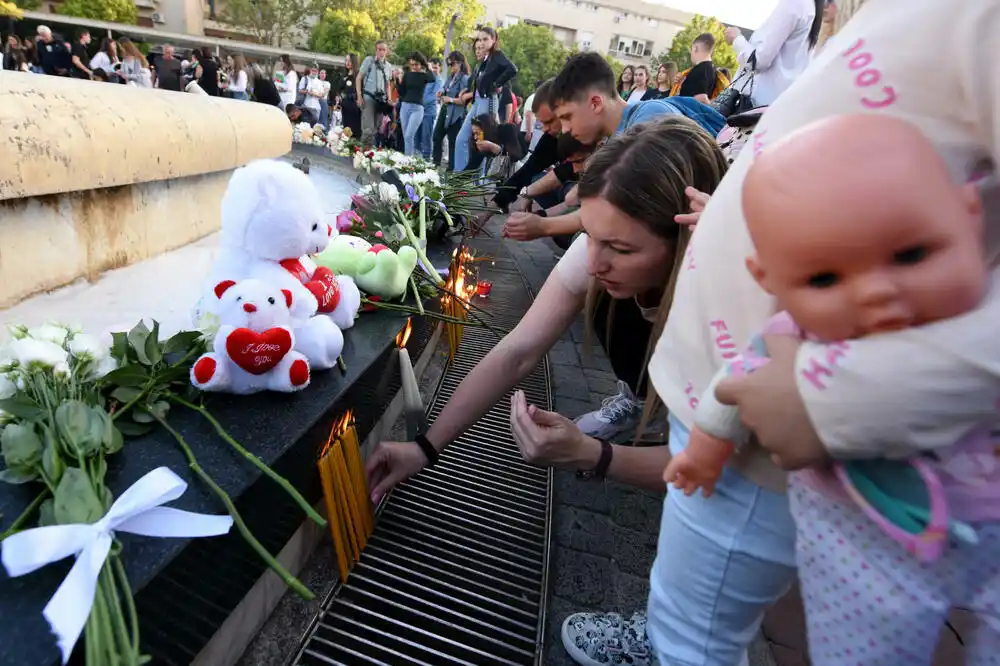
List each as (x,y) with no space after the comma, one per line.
(98,176)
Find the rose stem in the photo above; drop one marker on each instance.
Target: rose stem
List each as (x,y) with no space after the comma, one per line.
(129,602)
(118,614)
(289,580)
(25,515)
(416,295)
(255,461)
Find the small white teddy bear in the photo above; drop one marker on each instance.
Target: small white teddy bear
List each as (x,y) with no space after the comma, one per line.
(253,349)
(271,221)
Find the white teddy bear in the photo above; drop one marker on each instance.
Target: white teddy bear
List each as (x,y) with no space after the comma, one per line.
(253,349)
(272,219)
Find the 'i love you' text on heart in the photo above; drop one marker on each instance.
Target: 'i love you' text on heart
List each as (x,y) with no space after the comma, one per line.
(258,352)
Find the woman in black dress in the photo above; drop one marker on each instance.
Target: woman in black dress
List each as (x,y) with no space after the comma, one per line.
(349,108)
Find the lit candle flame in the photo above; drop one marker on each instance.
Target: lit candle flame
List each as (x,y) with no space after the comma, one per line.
(404,335)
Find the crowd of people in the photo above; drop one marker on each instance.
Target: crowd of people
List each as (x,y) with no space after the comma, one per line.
(858,210)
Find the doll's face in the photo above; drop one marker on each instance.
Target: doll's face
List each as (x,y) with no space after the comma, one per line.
(854,259)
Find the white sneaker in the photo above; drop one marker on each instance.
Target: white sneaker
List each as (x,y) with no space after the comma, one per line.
(619,415)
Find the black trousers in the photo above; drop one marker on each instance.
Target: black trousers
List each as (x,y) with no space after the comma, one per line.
(440,131)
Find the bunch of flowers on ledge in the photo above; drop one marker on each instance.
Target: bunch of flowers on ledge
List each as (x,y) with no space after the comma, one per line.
(342,141)
(312,135)
(68,400)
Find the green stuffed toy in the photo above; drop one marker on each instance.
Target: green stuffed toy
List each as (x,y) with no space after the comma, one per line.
(377,270)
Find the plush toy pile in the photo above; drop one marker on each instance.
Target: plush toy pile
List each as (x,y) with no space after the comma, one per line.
(271,223)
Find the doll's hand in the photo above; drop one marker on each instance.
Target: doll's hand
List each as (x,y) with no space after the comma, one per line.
(770,406)
(700,464)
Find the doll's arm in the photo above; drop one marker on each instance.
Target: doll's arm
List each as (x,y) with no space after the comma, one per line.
(716,435)
(897,394)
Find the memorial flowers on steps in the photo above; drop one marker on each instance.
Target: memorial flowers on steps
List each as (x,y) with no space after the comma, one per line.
(67,402)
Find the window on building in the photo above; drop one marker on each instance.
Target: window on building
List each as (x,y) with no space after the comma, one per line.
(510,20)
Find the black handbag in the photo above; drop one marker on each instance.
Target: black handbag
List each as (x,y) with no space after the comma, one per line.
(736,98)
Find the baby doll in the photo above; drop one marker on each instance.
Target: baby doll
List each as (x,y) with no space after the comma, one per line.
(859,230)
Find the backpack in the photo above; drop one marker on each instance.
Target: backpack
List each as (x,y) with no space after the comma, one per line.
(721,83)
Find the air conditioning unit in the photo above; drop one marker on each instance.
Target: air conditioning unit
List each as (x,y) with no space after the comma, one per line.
(156,18)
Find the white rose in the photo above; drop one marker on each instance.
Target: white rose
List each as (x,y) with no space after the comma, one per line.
(388,193)
(103,367)
(7,387)
(33,353)
(88,347)
(50,333)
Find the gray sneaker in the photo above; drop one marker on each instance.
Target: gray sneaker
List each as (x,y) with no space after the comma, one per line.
(607,639)
(618,416)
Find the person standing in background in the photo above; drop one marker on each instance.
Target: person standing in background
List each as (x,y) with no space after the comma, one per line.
(80,58)
(350,111)
(372,86)
(665,75)
(528,120)
(432,91)
(135,68)
(780,47)
(207,72)
(286,81)
(494,70)
(411,86)
(700,80)
(106,57)
(239,79)
(311,93)
(323,92)
(168,70)
(449,122)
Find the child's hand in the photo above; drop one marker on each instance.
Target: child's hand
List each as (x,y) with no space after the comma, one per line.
(698,201)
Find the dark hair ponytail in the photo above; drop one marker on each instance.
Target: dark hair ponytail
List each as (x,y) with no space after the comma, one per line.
(817,24)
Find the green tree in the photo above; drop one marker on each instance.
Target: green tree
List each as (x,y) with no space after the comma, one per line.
(680,50)
(536,52)
(273,22)
(343,31)
(117,11)
(429,45)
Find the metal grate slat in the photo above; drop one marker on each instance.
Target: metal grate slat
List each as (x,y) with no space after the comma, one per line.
(456,571)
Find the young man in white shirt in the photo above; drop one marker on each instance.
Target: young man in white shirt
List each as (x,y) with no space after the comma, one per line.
(907,392)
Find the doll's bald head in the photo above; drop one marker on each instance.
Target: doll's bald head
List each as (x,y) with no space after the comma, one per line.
(859,228)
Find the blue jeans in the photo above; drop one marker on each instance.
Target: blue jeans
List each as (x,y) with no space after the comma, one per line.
(410,116)
(324,113)
(720,563)
(240,94)
(480,106)
(427,130)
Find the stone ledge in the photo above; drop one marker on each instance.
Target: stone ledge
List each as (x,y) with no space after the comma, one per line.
(61,135)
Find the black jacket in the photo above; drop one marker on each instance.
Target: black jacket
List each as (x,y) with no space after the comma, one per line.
(491,74)
(545,154)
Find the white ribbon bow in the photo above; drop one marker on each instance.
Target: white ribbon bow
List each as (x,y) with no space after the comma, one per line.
(136,511)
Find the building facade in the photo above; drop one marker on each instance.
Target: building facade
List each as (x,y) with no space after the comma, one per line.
(630,30)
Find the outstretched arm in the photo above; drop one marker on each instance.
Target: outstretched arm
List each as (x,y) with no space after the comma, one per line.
(511,360)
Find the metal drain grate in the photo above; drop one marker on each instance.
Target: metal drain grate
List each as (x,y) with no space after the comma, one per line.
(455,572)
